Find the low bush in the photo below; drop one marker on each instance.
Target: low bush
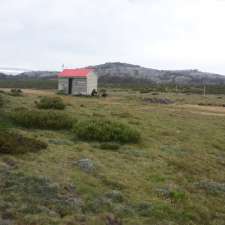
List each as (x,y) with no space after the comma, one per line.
(109,146)
(106,131)
(145,91)
(13,143)
(94,93)
(41,119)
(103,93)
(1,101)
(177,195)
(16,92)
(61,92)
(50,103)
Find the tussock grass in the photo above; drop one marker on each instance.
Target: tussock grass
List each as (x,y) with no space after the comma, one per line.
(41,119)
(106,131)
(37,196)
(50,103)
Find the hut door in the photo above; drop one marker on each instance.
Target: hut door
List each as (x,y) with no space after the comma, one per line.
(70,86)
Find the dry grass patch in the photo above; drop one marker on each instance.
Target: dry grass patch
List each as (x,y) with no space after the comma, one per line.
(12,143)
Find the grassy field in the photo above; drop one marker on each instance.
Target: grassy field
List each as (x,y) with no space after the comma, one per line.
(173,175)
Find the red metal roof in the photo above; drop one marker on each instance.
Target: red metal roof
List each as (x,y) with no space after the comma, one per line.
(75,72)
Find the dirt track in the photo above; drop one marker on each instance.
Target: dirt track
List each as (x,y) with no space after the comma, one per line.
(204,110)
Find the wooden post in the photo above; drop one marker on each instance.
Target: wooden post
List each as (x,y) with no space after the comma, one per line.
(204,90)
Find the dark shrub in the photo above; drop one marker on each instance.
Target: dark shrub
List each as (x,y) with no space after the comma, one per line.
(1,101)
(12,143)
(109,146)
(145,90)
(94,92)
(41,119)
(16,92)
(106,130)
(103,93)
(50,103)
(158,101)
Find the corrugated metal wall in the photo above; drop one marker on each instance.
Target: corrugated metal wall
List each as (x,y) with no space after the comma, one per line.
(92,83)
(79,86)
(63,85)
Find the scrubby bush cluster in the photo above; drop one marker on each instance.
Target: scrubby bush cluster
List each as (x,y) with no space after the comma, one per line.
(16,92)
(41,119)
(13,143)
(106,130)
(50,103)
(103,93)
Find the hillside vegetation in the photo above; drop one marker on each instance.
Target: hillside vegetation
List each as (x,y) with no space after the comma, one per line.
(132,158)
(120,75)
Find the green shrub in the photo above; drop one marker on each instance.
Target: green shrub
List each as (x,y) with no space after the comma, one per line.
(12,143)
(106,131)
(177,195)
(61,92)
(41,119)
(50,103)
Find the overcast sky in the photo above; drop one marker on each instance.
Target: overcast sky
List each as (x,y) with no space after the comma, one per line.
(164,34)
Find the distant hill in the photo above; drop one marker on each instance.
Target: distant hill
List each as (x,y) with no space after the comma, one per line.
(123,73)
(38,74)
(12,71)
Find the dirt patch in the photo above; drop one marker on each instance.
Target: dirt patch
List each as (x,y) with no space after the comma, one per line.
(211,104)
(204,110)
(215,109)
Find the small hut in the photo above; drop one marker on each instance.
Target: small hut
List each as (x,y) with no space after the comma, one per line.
(77,81)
